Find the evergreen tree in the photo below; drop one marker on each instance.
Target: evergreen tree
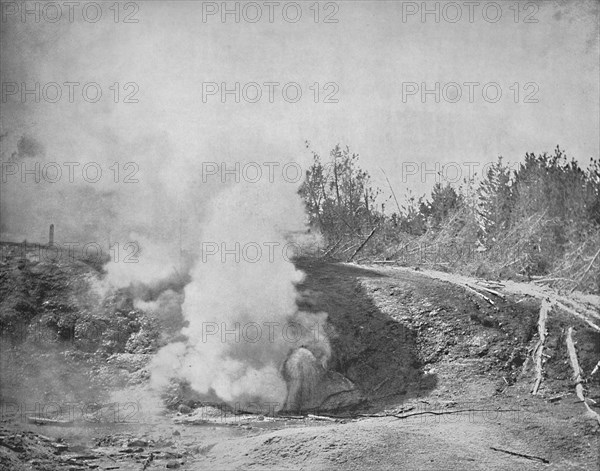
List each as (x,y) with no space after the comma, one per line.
(496,200)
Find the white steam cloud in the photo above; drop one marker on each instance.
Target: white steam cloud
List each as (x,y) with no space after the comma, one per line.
(241,304)
(151,192)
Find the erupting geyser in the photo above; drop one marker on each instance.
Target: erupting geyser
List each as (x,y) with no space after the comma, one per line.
(240,307)
(302,373)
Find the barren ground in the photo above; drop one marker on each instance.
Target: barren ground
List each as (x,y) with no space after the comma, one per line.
(446,375)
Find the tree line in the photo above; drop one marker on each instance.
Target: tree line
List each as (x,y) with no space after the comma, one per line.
(539,219)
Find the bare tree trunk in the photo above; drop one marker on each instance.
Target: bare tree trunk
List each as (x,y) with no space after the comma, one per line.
(363,244)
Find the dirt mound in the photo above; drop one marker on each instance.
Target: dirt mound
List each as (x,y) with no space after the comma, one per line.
(392,331)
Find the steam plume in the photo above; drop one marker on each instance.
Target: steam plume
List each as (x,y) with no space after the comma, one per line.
(241,307)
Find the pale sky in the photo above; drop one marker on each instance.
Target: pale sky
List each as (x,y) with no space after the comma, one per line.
(370,54)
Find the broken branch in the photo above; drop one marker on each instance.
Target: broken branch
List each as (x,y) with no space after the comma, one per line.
(363,244)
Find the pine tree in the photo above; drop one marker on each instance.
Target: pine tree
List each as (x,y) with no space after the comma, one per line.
(496,200)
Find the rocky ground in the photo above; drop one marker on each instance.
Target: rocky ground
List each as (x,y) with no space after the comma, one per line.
(445,374)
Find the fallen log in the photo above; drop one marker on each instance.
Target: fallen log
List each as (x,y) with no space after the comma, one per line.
(577,374)
(537,352)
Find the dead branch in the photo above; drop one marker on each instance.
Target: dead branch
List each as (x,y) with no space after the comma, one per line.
(458,411)
(148,461)
(385,415)
(557,397)
(332,248)
(586,270)
(376,388)
(583,309)
(328,417)
(576,314)
(545,280)
(348,248)
(392,191)
(474,291)
(84,457)
(490,284)
(522,455)
(321,417)
(43,421)
(492,291)
(595,369)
